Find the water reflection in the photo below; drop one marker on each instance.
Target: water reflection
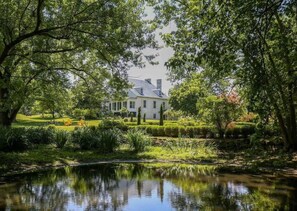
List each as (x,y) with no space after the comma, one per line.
(146,187)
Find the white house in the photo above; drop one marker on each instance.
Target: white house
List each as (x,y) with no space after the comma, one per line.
(145,95)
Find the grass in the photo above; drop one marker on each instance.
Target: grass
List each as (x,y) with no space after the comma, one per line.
(237,155)
(228,156)
(12,161)
(38,121)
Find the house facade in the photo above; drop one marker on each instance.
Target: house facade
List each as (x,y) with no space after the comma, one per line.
(143,94)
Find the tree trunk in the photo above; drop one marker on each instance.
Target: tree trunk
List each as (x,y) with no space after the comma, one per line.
(292,128)
(221,134)
(7,117)
(5,120)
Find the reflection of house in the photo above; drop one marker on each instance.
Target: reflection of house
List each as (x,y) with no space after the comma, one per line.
(135,188)
(145,95)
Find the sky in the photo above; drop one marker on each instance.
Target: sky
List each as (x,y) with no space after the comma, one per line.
(155,71)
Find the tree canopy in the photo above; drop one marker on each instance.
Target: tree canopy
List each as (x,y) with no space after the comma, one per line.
(42,41)
(184,96)
(252,42)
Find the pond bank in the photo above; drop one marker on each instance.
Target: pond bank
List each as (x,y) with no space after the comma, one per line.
(228,156)
(230,163)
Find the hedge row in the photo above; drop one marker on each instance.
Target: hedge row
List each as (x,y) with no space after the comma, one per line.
(197,132)
(20,139)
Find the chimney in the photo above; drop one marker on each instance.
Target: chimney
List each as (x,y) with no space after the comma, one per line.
(159,84)
(148,80)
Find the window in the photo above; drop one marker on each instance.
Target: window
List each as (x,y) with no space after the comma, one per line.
(125,104)
(164,104)
(114,106)
(119,106)
(144,104)
(155,104)
(155,116)
(132,104)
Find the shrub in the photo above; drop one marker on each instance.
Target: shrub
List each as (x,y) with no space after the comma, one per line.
(86,137)
(3,140)
(247,130)
(155,130)
(61,138)
(131,117)
(197,131)
(17,140)
(186,121)
(68,122)
(110,140)
(174,131)
(191,132)
(40,135)
(106,140)
(91,113)
(81,123)
(167,131)
(107,124)
(79,113)
(249,117)
(183,132)
(138,140)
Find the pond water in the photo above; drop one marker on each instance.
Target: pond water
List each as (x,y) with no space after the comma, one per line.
(146,187)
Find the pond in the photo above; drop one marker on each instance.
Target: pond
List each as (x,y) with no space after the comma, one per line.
(146,187)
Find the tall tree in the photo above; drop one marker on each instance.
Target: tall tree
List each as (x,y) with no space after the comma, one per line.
(54,100)
(40,38)
(184,96)
(253,42)
(220,110)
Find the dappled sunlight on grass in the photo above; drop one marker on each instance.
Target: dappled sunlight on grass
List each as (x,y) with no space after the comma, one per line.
(39,121)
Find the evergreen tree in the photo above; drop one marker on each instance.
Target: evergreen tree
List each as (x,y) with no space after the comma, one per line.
(139,116)
(161,116)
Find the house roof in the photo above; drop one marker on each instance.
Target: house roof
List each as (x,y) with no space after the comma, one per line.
(148,90)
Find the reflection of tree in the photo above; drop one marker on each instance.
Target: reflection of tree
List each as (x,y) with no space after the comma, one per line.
(181,201)
(109,187)
(215,195)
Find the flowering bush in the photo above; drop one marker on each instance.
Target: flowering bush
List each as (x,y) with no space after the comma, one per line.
(81,123)
(68,122)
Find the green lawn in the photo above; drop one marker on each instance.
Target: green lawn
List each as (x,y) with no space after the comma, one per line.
(38,121)
(50,156)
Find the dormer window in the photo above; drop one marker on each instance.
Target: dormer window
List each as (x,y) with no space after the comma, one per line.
(158,92)
(139,90)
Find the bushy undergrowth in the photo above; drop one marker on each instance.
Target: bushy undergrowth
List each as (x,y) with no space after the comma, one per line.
(194,147)
(16,140)
(86,137)
(108,136)
(107,124)
(61,137)
(20,139)
(105,140)
(138,140)
(40,135)
(110,140)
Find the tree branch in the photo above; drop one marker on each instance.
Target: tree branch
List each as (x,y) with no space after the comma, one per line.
(38,14)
